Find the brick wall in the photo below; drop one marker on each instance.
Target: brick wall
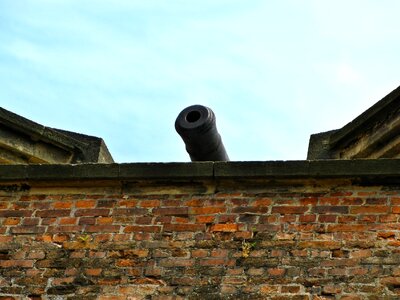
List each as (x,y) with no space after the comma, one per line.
(325,240)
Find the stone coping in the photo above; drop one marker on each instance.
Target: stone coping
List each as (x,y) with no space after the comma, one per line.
(206,170)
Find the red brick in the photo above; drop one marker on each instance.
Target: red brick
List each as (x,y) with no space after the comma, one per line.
(129,229)
(262,202)
(376,201)
(31,221)
(219,253)
(68,221)
(269,289)
(180,220)
(11,221)
(396,209)
(103,228)
(346,219)
(387,235)
(184,227)
(27,230)
(104,220)
(346,228)
(199,253)
(123,263)
(144,220)
(372,209)
(239,202)
(128,203)
(308,201)
(328,201)
(206,210)
(149,203)
(327,218)
(205,219)
(121,237)
(307,218)
(289,289)
(59,238)
(64,229)
(276,272)
(361,253)
(176,262)
(176,203)
(351,201)
(289,210)
(87,221)
(213,262)
(341,194)
(96,212)
(5,239)
(49,213)
(250,210)
(171,211)
(388,218)
(327,209)
(227,218)
(332,289)
(62,205)
(93,272)
(319,244)
(225,227)
(16,263)
(15,213)
(85,204)
(363,194)
(194,202)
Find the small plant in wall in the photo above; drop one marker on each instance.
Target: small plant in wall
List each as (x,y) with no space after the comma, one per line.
(247,247)
(84,238)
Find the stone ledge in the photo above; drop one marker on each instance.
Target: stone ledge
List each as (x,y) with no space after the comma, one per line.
(205,170)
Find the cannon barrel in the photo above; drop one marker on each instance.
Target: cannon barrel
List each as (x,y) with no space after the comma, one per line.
(197,126)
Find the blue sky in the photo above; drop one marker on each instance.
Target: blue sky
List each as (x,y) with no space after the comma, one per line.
(274,72)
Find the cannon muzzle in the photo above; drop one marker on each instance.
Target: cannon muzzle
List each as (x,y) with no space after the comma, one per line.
(197,127)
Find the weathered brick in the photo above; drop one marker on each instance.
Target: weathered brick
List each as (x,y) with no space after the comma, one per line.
(149,203)
(346,228)
(369,209)
(225,227)
(103,228)
(129,211)
(62,205)
(85,203)
(327,209)
(276,272)
(96,212)
(11,221)
(206,210)
(26,263)
(15,213)
(175,262)
(250,210)
(184,227)
(28,230)
(320,244)
(49,213)
(205,219)
(289,210)
(142,229)
(262,202)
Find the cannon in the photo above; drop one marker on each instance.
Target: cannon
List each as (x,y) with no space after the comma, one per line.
(196,125)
